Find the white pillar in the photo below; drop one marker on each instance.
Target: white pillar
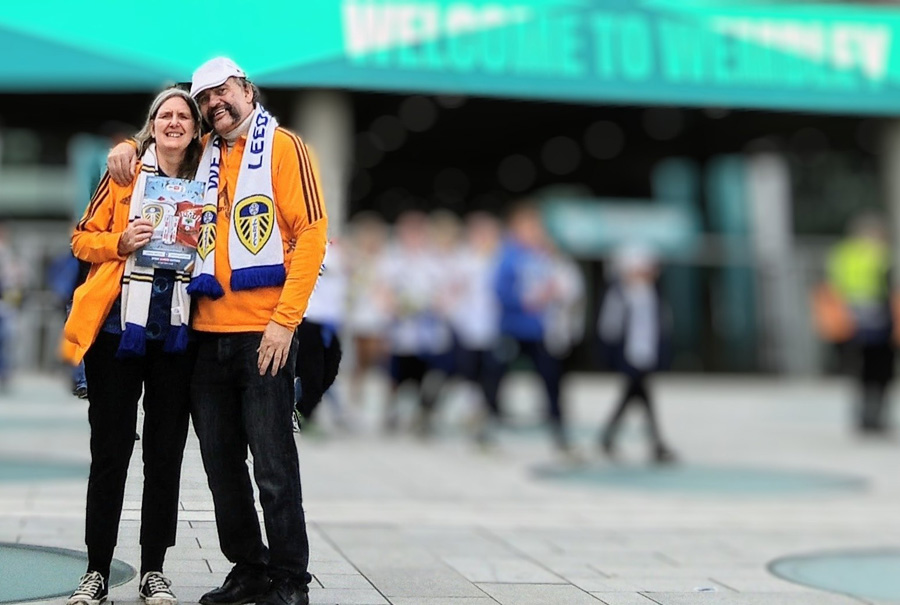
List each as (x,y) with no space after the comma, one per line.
(890,156)
(324,120)
(789,341)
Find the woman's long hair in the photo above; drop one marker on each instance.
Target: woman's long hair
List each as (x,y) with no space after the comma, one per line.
(194,149)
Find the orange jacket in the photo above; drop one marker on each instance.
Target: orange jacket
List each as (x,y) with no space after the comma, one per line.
(96,240)
(303,223)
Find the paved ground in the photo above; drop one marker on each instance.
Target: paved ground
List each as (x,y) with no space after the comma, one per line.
(399,521)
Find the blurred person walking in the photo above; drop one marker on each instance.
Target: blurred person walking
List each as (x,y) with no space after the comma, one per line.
(11,290)
(64,275)
(475,315)
(565,314)
(855,308)
(318,340)
(421,342)
(633,327)
(367,313)
(527,289)
(262,244)
(134,339)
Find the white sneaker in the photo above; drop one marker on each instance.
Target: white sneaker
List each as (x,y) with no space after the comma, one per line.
(92,590)
(154,589)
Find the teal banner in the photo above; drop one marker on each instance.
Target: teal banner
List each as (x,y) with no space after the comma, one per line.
(595,228)
(814,56)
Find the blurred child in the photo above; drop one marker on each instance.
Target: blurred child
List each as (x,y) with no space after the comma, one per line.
(633,327)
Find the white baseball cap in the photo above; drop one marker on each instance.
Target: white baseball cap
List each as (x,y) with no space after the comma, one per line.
(633,257)
(214,73)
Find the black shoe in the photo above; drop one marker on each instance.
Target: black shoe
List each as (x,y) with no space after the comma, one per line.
(80,392)
(238,588)
(663,455)
(286,592)
(155,589)
(92,590)
(607,446)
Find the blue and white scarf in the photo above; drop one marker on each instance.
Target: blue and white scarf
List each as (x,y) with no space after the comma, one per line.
(255,248)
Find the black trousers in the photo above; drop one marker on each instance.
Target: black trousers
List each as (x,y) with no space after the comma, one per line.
(635,390)
(235,410)
(550,370)
(317,364)
(482,367)
(116,386)
(875,372)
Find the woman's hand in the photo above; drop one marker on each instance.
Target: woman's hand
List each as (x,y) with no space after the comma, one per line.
(122,163)
(135,236)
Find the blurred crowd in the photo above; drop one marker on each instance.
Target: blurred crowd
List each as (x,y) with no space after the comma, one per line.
(435,308)
(437,304)
(437,300)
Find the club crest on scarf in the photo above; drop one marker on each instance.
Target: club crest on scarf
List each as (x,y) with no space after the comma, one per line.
(254,244)
(207,240)
(255,218)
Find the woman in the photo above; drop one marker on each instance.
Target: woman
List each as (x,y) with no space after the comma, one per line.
(147,352)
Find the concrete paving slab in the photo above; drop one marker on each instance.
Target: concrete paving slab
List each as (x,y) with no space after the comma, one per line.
(538,594)
(425,582)
(502,570)
(751,599)
(401,521)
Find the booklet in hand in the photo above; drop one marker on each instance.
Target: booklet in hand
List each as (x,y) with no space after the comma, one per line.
(174,206)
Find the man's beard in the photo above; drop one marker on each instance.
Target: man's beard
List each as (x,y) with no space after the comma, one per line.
(235,115)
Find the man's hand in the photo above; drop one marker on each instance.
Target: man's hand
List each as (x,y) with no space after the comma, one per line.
(135,236)
(274,348)
(122,163)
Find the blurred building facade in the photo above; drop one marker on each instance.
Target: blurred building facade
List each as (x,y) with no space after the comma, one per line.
(739,142)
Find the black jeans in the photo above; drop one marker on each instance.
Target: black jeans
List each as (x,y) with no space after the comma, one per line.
(234,408)
(116,386)
(548,367)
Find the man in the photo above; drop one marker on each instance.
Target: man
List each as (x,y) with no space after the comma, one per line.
(527,288)
(859,283)
(261,245)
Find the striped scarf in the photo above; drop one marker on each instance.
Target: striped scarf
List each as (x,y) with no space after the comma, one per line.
(137,286)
